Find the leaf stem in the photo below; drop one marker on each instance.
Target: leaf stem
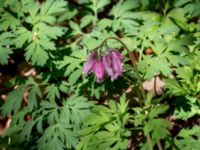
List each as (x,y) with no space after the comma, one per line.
(159,145)
(149,142)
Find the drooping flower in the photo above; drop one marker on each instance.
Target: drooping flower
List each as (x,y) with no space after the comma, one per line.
(108,64)
(112,64)
(99,71)
(93,57)
(116,60)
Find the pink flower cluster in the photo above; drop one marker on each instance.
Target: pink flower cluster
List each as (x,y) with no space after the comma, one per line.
(107,65)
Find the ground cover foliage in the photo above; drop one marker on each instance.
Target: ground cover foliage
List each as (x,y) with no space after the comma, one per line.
(59,108)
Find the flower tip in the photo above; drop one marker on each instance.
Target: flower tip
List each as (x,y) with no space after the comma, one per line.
(99,71)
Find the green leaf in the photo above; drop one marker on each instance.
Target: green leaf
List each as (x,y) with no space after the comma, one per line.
(139,119)
(185,74)
(71,63)
(64,86)
(52,7)
(123,17)
(52,92)
(50,139)
(168,27)
(5,43)
(22,36)
(73,78)
(156,66)
(86,20)
(78,108)
(75,27)
(64,122)
(101,4)
(178,16)
(36,54)
(32,96)
(181,3)
(4,55)
(158,110)
(25,134)
(48,32)
(108,130)
(104,23)
(13,101)
(124,6)
(158,128)
(174,87)
(8,21)
(48,104)
(188,138)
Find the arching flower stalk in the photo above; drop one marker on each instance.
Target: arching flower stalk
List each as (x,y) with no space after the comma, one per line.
(109,64)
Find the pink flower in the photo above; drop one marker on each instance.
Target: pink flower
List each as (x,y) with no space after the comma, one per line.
(93,57)
(109,64)
(99,71)
(112,64)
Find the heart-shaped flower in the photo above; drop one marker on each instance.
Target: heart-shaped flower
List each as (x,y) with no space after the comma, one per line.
(112,64)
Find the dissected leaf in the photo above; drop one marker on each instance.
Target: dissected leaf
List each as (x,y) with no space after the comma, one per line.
(14,101)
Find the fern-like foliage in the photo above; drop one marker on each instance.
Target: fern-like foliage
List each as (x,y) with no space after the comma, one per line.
(5,47)
(186,88)
(51,107)
(36,39)
(105,127)
(58,126)
(65,123)
(188,138)
(154,126)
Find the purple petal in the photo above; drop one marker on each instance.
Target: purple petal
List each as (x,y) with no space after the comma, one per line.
(99,70)
(116,63)
(117,67)
(107,62)
(118,54)
(115,76)
(90,62)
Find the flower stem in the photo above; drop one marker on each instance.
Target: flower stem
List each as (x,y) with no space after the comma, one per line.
(134,62)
